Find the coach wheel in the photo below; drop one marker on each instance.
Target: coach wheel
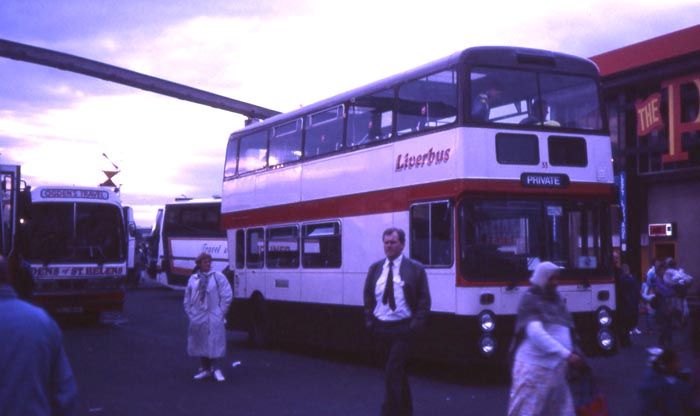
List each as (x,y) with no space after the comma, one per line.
(257,333)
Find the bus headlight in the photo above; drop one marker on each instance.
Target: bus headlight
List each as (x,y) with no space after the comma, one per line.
(604,316)
(487,321)
(606,340)
(487,345)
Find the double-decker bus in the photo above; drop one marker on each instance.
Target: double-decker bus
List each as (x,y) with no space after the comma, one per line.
(188,228)
(493,160)
(74,240)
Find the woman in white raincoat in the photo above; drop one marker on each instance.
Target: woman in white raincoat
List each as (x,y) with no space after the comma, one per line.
(207,298)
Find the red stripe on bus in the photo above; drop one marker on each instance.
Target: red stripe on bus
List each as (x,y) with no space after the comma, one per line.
(393,200)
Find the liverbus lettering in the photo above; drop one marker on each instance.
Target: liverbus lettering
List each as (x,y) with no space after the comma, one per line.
(409,161)
(484,197)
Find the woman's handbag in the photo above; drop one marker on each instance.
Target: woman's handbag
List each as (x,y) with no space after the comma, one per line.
(589,401)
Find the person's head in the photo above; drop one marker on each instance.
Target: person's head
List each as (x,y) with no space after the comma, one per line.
(670,263)
(659,268)
(546,275)
(494,90)
(394,241)
(539,109)
(4,271)
(203,262)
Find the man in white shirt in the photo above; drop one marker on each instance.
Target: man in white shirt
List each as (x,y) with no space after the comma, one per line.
(394,313)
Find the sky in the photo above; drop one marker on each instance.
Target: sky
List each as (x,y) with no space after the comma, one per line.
(279,54)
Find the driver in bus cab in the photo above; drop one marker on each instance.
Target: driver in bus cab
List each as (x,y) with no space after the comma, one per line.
(395,312)
(537,114)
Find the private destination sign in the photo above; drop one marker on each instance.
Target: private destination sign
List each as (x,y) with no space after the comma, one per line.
(544,180)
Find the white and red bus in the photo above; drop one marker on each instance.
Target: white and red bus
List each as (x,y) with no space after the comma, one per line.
(74,239)
(483,194)
(188,228)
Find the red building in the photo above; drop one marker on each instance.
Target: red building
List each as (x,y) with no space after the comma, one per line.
(652,93)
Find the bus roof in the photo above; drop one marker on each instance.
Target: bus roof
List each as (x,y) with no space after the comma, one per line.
(100,195)
(195,201)
(526,58)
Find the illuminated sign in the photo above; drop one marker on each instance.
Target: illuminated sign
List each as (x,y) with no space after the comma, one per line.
(662,230)
(67,193)
(544,180)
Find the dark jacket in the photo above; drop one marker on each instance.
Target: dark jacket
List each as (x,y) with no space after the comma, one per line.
(415,291)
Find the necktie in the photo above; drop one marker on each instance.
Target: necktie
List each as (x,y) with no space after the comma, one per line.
(389,288)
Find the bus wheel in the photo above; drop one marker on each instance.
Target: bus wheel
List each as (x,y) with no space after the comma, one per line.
(257,332)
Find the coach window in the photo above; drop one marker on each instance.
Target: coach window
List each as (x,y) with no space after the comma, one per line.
(567,151)
(253,152)
(370,118)
(231,158)
(501,95)
(431,233)
(285,143)
(321,245)
(240,249)
(283,247)
(517,149)
(427,103)
(324,132)
(255,244)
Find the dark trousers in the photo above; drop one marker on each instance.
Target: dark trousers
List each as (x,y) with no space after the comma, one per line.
(394,342)
(664,320)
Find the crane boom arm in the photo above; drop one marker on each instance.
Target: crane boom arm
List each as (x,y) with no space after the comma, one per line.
(60,60)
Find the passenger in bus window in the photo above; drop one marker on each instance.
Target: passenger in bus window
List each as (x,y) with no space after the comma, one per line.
(396,306)
(36,377)
(537,114)
(374,132)
(207,299)
(326,145)
(544,349)
(484,101)
(424,121)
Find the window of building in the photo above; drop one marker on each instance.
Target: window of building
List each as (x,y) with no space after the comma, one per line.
(431,233)
(321,245)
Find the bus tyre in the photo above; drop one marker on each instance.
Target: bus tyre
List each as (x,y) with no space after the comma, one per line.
(257,332)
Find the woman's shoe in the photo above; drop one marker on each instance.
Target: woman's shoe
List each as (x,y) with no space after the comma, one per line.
(202,375)
(218,375)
